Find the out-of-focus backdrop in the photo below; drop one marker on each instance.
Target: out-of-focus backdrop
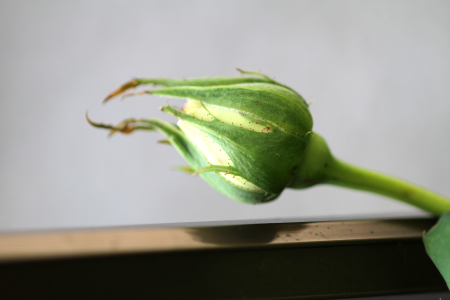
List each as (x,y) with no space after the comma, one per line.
(378,72)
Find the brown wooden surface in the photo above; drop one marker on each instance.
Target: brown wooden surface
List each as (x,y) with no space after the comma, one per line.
(315,260)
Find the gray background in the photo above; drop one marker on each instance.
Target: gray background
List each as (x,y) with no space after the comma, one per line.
(378,72)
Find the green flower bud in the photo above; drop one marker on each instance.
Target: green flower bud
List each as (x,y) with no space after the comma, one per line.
(246,136)
(250,138)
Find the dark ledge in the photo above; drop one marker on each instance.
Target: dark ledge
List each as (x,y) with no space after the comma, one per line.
(316,260)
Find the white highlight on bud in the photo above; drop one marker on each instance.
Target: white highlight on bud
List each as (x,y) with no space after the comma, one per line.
(224,115)
(212,151)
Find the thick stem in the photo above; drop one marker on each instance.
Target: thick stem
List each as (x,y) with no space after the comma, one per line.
(343,174)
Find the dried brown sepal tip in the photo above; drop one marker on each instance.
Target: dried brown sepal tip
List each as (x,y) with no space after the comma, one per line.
(129,85)
(185,169)
(130,125)
(126,126)
(97,125)
(164,142)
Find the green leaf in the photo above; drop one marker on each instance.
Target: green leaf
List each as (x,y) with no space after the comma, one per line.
(437,245)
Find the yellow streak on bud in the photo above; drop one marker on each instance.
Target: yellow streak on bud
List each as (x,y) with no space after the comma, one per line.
(212,151)
(214,154)
(224,115)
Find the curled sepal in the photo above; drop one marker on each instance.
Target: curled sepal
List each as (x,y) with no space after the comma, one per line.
(126,126)
(204,82)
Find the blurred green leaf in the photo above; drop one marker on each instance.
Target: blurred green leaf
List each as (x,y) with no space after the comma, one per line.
(437,245)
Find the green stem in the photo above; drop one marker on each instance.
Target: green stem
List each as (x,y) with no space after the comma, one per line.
(343,174)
